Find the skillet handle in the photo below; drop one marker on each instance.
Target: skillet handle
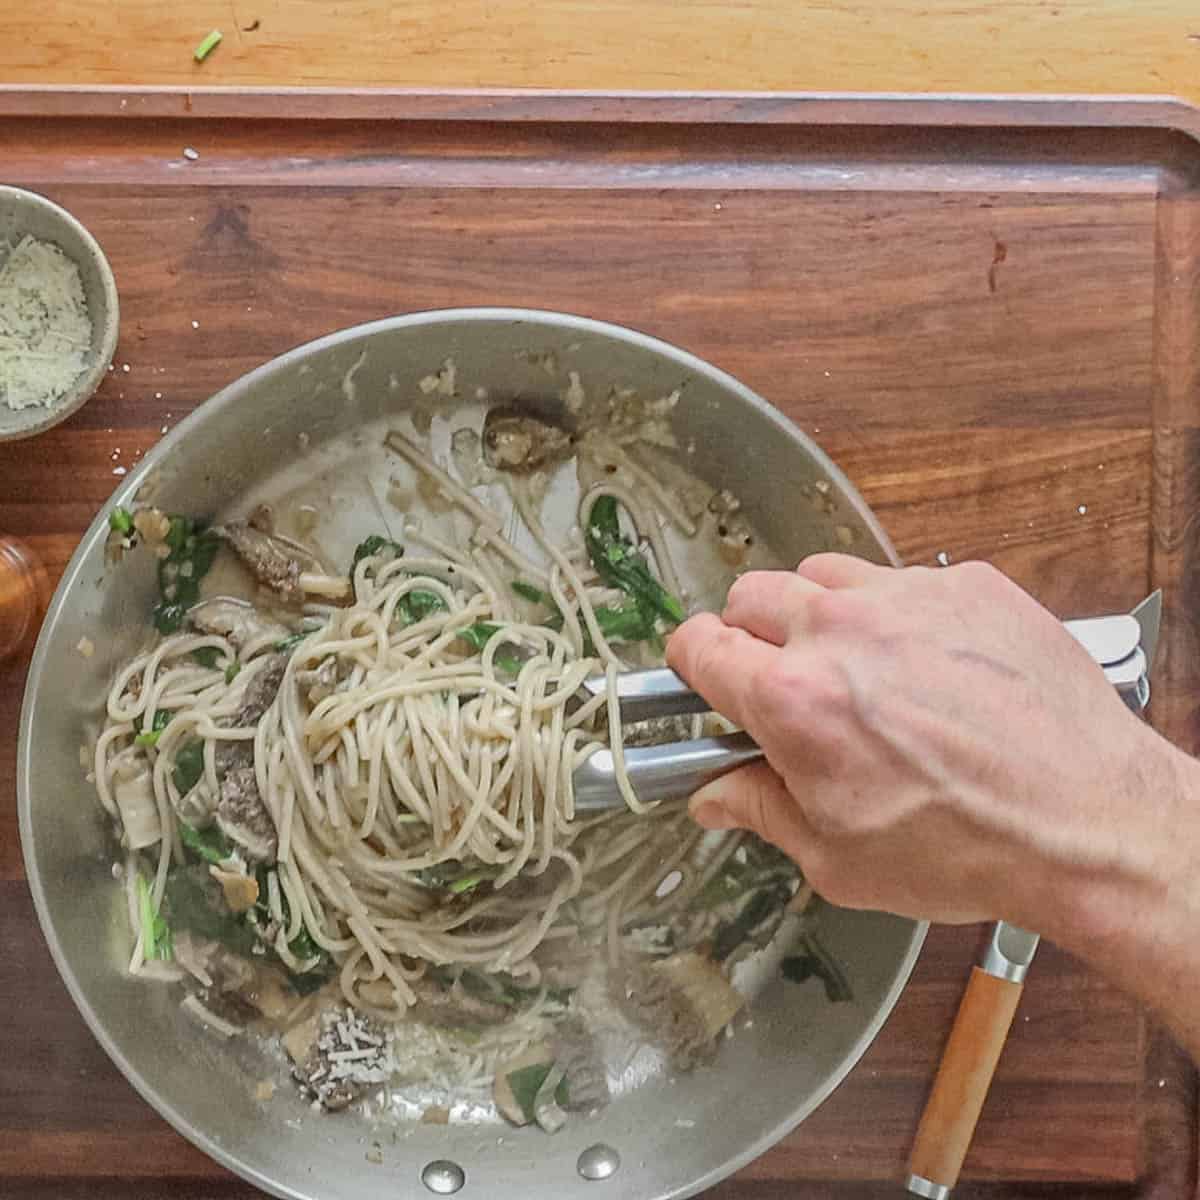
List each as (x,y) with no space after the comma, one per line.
(980,1029)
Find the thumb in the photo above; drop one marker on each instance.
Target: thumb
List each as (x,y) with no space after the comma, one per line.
(754,798)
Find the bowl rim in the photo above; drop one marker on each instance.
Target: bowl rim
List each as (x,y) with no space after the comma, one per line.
(84,387)
(207,411)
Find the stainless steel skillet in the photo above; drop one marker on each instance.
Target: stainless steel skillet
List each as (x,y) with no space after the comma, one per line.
(672,1136)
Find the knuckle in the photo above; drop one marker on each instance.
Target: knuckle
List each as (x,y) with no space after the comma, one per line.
(743,592)
(687,644)
(826,611)
(980,576)
(710,652)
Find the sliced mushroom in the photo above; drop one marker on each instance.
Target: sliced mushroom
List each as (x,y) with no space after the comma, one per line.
(134,794)
(515,441)
(282,565)
(236,620)
(243,817)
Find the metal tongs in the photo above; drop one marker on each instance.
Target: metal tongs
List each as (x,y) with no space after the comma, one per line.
(677,769)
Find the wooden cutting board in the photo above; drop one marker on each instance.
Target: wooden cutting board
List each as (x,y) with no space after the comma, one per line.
(985,311)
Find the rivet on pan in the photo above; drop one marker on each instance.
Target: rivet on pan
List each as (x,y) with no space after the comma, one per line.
(443,1177)
(598,1162)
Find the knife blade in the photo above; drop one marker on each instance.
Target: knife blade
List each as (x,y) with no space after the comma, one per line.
(1148,615)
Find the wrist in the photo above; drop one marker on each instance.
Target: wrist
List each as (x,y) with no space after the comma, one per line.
(1133,914)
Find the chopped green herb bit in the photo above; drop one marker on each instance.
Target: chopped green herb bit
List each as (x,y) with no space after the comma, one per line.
(209,844)
(418,604)
(149,737)
(373,547)
(534,595)
(162,718)
(288,644)
(231,671)
(120,520)
(467,883)
(189,766)
(478,635)
(156,934)
(190,553)
(207,45)
(207,656)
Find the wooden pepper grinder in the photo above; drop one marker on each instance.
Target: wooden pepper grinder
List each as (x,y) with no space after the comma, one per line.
(24,596)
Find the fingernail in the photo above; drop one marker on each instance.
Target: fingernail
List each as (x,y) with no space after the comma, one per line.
(711,815)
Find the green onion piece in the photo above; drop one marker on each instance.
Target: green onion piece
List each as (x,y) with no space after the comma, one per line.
(231,671)
(156,934)
(288,644)
(149,737)
(207,46)
(418,604)
(191,550)
(120,520)
(467,883)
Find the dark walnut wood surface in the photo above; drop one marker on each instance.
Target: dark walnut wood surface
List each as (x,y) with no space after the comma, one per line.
(992,330)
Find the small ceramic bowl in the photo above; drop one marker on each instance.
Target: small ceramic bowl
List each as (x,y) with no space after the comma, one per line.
(26,213)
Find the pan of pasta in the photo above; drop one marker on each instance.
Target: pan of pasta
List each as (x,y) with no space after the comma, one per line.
(297,761)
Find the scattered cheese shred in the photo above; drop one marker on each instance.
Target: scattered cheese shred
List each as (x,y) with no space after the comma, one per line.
(45,329)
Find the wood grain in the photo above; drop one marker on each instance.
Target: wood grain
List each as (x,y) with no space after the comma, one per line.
(746,45)
(992,331)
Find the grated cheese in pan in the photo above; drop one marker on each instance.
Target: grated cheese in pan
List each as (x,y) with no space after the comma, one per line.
(45,329)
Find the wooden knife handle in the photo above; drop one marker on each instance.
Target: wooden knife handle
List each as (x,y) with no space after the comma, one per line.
(961,1086)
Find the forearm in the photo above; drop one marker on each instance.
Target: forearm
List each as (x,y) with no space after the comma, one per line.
(1138,923)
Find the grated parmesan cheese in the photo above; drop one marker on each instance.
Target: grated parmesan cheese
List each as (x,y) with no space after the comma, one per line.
(45,329)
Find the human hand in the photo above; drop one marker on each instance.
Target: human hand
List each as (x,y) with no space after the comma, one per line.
(936,743)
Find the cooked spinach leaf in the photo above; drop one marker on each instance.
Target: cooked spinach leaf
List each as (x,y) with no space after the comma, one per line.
(189,765)
(418,604)
(209,844)
(621,565)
